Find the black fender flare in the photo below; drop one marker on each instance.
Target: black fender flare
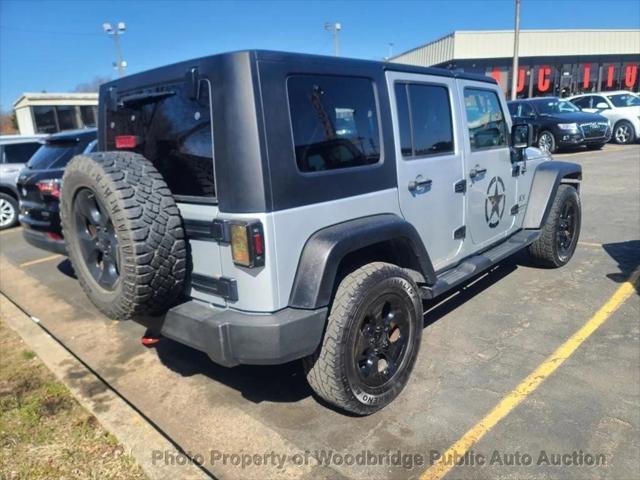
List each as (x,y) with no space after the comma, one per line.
(546,179)
(324,250)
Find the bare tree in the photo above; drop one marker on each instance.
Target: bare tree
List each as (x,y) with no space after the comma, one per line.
(8,123)
(93,85)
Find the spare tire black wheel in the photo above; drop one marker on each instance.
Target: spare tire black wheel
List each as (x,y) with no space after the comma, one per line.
(123,233)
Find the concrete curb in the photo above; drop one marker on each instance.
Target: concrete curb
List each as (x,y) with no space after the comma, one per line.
(130,428)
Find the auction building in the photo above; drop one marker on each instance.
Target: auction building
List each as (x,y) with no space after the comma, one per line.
(55,112)
(551,62)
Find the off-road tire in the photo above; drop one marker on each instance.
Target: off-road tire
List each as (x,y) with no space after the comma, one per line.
(150,235)
(545,251)
(327,370)
(11,206)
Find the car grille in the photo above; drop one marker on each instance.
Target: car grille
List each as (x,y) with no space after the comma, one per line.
(594,129)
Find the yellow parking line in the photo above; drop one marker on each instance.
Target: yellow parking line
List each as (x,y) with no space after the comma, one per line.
(39,260)
(11,230)
(590,244)
(447,461)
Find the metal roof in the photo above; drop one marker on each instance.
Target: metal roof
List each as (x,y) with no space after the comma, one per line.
(43,98)
(465,45)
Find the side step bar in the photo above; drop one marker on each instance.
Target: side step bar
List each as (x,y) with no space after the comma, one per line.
(475,265)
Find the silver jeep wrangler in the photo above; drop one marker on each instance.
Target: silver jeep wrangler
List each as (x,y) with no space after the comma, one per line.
(274,206)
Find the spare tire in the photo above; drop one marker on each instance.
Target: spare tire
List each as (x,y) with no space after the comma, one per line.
(123,233)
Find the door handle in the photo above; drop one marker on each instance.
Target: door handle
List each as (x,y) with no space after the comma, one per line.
(477,170)
(419,182)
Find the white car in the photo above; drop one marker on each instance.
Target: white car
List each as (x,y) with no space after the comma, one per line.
(621,108)
(15,151)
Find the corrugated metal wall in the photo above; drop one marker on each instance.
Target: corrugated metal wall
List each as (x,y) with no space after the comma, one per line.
(433,53)
(533,43)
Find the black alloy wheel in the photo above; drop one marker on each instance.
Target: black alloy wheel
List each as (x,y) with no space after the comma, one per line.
(97,239)
(381,340)
(566,230)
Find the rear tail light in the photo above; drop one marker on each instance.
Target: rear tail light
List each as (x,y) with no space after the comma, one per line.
(49,187)
(54,236)
(126,141)
(247,244)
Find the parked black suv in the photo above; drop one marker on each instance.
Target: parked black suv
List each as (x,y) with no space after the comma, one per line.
(39,187)
(558,124)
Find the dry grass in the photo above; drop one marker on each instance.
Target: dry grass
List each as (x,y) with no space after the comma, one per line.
(44,431)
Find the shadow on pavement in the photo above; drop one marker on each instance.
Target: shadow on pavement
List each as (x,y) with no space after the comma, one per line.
(66,269)
(287,383)
(627,255)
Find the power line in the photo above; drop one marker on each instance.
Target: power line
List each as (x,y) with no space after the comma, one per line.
(48,32)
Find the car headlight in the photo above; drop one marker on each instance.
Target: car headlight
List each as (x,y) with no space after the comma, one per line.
(568,126)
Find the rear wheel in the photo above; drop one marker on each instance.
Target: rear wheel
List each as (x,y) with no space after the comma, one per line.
(371,341)
(8,211)
(559,237)
(623,133)
(123,233)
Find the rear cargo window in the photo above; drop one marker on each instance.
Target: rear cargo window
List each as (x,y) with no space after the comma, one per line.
(55,155)
(334,121)
(173,131)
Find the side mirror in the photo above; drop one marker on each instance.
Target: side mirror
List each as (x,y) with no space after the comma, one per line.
(521,135)
(602,106)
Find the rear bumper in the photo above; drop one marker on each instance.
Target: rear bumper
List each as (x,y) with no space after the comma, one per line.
(42,240)
(231,337)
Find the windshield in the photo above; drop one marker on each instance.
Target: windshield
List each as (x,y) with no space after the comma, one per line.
(553,106)
(624,100)
(55,155)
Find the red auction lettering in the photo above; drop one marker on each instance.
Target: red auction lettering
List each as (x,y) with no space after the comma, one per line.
(630,75)
(543,78)
(495,73)
(520,87)
(587,74)
(610,76)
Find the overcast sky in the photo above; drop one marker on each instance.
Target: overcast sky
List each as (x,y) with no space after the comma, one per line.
(55,46)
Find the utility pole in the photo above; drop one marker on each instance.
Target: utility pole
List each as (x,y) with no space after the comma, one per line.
(391,44)
(335,29)
(516,38)
(120,64)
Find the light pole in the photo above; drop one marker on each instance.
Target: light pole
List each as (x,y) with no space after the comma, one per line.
(120,64)
(516,37)
(390,50)
(335,28)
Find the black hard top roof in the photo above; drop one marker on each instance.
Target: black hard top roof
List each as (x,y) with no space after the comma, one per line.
(389,66)
(270,55)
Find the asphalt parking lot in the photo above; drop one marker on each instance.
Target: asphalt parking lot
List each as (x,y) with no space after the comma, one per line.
(478,345)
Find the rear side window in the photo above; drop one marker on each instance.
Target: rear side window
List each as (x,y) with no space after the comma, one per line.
(55,155)
(424,114)
(485,120)
(175,134)
(521,110)
(334,122)
(19,152)
(584,102)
